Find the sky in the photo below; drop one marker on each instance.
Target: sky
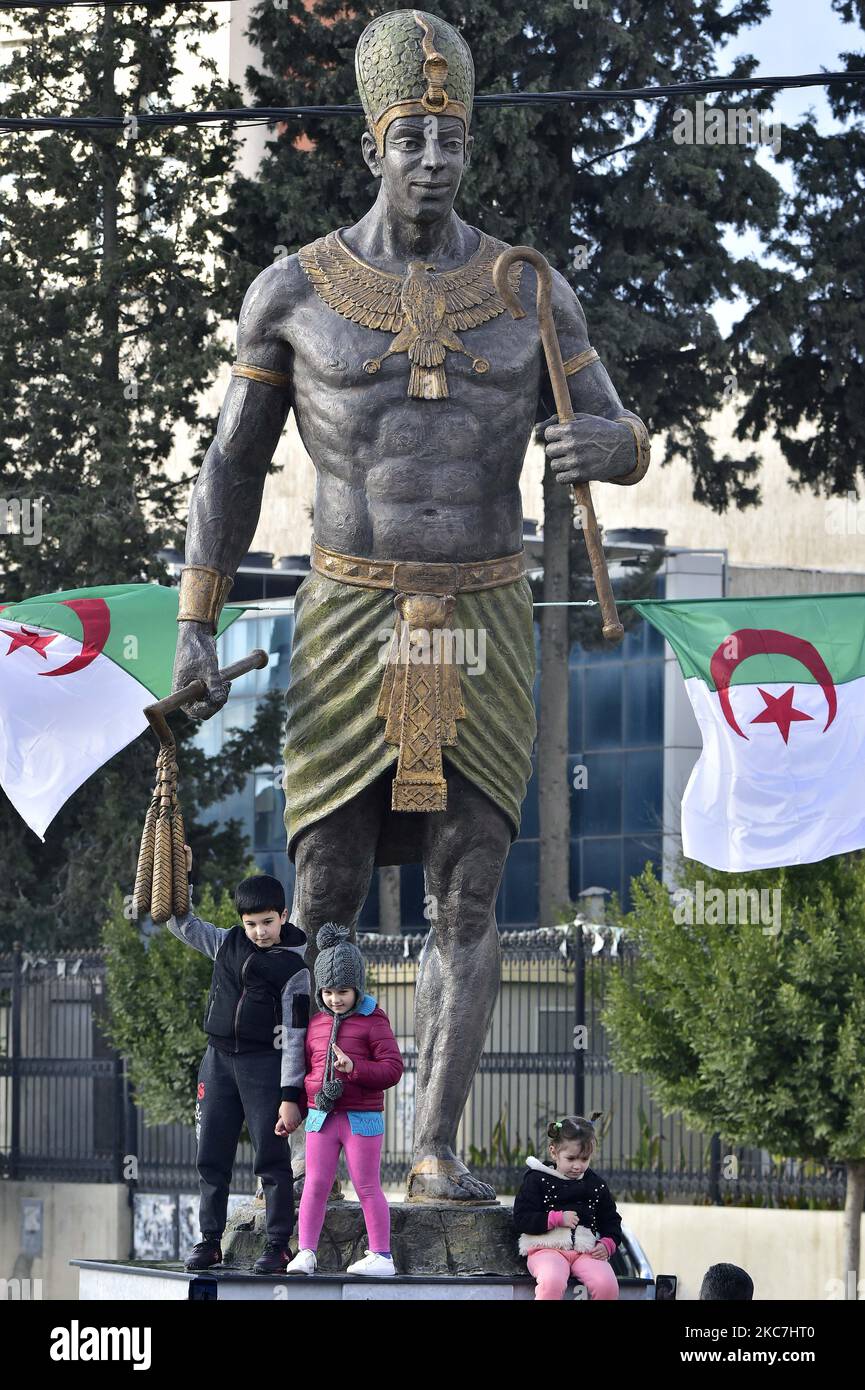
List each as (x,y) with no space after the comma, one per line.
(799,36)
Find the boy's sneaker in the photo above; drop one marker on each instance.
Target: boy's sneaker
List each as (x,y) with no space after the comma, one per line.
(373,1266)
(205,1254)
(273,1261)
(304,1262)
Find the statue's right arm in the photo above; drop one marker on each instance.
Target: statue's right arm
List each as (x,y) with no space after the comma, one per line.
(226,500)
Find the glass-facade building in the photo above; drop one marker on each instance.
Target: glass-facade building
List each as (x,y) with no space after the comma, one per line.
(615,766)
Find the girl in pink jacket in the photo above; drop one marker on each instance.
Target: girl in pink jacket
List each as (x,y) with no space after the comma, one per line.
(352,1057)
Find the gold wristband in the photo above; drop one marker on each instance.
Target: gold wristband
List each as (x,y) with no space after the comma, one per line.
(203,592)
(581,360)
(261,374)
(644,450)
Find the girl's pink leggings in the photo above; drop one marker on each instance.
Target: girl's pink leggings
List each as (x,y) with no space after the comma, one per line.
(551,1269)
(363,1158)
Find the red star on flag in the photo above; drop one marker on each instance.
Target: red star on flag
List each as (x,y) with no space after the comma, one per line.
(37,641)
(779,710)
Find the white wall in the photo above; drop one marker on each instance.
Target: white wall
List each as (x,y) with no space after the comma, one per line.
(794,1256)
(80,1221)
(788,529)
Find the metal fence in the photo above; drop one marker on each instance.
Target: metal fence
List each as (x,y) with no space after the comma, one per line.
(66,1111)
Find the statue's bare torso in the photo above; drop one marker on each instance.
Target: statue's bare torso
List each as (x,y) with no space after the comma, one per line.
(398,477)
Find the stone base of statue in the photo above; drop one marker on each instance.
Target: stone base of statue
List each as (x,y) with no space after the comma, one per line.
(437,1238)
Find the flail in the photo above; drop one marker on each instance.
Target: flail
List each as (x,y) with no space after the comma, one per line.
(161,883)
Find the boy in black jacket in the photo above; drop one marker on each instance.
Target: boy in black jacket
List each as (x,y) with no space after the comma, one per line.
(565,1216)
(253,1069)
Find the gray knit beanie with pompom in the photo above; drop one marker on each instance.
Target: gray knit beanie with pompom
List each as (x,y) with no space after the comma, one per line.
(339,964)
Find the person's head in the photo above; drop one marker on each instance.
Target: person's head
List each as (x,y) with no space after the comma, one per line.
(422,165)
(726,1284)
(572,1142)
(339,970)
(260,900)
(339,1001)
(416,80)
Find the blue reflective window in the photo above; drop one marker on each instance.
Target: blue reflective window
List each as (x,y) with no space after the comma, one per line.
(521,891)
(269,824)
(637,850)
(209,736)
(601,804)
(529,825)
(574,883)
(643,801)
(578,781)
(411,897)
(601,864)
(644,702)
(280,646)
(368,920)
(654,641)
(575,709)
(238,714)
(602,717)
(633,645)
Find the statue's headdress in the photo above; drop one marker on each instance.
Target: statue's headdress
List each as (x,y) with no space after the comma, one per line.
(410,63)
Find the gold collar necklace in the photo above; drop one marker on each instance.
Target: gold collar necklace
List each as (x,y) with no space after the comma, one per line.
(426,309)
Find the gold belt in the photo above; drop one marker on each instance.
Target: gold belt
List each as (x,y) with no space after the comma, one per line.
(420,697)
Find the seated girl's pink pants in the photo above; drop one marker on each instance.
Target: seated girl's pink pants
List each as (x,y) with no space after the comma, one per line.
(363,1158)
(551,1269)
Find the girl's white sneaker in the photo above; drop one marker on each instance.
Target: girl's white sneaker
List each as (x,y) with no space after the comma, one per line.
(373,1265)
(304,1262)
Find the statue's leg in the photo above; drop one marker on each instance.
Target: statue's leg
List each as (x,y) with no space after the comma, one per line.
(334,861)
(465,849)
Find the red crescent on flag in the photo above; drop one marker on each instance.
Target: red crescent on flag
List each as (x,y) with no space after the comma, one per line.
(95,617)
(760,641)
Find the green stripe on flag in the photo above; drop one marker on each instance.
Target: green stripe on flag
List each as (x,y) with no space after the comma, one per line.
(696,628)
(142,635)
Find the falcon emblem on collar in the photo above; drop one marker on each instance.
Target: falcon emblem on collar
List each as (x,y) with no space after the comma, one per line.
(426,309)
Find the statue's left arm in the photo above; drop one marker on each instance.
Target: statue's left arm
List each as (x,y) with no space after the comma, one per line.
(605,442)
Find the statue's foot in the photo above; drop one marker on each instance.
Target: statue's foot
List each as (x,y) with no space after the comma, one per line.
(446,1180)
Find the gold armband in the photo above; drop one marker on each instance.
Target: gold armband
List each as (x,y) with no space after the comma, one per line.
(261,374)
(582,359)
(203,592)
(644,450)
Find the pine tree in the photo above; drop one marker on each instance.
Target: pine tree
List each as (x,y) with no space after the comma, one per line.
(754,1028)
(809,326)
(113,289)
(113,285)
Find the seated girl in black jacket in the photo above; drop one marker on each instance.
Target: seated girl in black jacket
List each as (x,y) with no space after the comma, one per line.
(565,1216)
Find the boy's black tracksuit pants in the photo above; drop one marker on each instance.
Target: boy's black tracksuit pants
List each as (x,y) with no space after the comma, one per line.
(231,1088)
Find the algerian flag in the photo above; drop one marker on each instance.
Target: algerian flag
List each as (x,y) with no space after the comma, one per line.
(76,670)
(778,688)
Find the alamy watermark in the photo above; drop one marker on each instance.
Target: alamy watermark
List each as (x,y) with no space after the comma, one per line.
(83,1343)
(438,646)
(21,516)
(20,1290)
(727,125)
(714,907)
